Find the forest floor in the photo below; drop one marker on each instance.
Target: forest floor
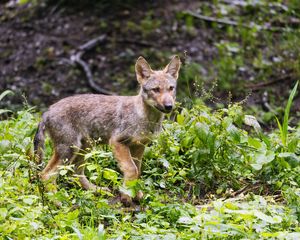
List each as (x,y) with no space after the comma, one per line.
(207,175)
(37,43)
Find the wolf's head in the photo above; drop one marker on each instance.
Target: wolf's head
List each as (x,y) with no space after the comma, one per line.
(158,88)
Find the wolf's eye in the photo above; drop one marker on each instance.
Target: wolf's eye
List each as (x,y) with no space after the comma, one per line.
(171,88)
(156,90)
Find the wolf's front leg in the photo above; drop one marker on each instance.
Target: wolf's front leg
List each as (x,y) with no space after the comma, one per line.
(137,152)
(127,166)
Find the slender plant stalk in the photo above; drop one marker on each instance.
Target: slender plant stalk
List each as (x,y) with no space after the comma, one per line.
(283,128)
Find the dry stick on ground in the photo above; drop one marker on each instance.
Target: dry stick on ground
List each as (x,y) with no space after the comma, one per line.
(248,3)
(212,19)
(265,104)
(76,58)
(246,189)
(232,23)
(137,42)
(266,84)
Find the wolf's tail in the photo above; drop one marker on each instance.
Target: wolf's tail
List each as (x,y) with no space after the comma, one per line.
(39,142)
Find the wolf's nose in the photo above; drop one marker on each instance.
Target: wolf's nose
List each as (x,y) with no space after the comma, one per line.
(168,107)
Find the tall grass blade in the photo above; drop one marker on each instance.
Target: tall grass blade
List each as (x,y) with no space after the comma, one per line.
(6,92)
(284,130)
(2,111)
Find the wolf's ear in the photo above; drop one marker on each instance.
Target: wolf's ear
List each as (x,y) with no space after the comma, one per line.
(142,69)
(173,67)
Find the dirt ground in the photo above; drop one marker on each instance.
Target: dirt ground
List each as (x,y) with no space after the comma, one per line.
(37,44)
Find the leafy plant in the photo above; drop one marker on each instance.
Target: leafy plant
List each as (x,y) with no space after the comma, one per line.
(2,95)
(200,179)
(284,126)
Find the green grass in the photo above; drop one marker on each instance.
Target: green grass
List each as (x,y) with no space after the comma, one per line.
(247,57)
(2,95)
(284,126)
(205,177)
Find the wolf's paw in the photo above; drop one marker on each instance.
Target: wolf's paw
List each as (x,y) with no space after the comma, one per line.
(139,196)
(126,200)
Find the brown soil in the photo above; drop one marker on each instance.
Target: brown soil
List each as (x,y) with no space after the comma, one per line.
(37,43)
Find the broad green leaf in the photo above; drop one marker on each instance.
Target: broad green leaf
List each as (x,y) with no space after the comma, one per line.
(231,206)
(6,92)
(253,142)
(162,184)
(261,158)
(129,191)
(28,200)
(185,220)
(4,111)
(252,121)
(180,119)
(256,166)
(165,162)
(5,145)
(3,213)
(266,218)
(288,155)
(63,172)
(78,233)
(110,174)
(101,232)
(91,167)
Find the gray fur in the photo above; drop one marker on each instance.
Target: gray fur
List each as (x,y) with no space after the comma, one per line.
(127,123)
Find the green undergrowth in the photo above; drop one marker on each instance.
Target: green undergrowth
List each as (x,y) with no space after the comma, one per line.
(208,175)
(256,50)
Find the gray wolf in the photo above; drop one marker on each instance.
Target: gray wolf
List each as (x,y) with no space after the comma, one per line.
(126,123)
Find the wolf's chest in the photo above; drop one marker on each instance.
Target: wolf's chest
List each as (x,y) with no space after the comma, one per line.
(148,128)
(144,133)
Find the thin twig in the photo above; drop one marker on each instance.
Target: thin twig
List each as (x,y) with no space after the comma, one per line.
(137,42)
(246,189)
(231,22)
(92,43)
(266,84)
(236,2)
(212,19)
(238,192)
(241,3)
(265,104)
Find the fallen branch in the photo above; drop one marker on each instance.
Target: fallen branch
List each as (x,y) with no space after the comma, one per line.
(238,192)
(76,58)
(265,104)
(245,190)
(231,22)
(138,42)
(266,84)
(92,43)
(236,2)
(241,3)
(212,19)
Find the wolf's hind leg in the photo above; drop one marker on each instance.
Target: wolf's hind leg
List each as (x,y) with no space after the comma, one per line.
(79,169)
(62,153)
(84,182)
(50,171)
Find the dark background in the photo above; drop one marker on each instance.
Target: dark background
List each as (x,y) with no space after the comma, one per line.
(231,51)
